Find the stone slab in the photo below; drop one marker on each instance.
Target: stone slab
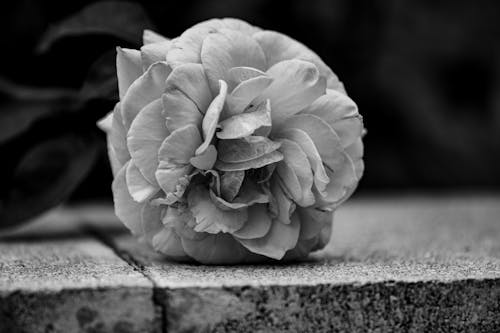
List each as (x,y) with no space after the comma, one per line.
(55,277)
(398,264)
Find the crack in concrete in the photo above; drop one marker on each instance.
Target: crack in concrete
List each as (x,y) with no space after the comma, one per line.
(136,265)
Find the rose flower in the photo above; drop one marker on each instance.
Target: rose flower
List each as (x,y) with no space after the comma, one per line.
(231,144)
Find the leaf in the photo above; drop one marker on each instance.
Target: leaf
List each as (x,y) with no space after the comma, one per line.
(101,80)
(124,20)
(45,176)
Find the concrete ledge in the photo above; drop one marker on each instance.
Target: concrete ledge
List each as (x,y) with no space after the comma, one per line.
(415,264)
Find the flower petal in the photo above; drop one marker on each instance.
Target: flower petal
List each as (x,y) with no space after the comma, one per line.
(183,222)
(211,118)
(244,124)
(179,146)
(324,137)
(105,123)
(191,80)
(272,157)
(150,222)
(245,92)
(258,224)
(147,88)
(230,184)
(281,206)
(289,181)
(226,49)
(118,136)
(297,160)
(150,37)
(145,137)
(126,209)
(209,218)
(279,47)
(341,113)
(312,221)
(180,111)
(342,180)
(139,188)
(242,73)
(169,178)
(169,243)
(296,84)
(215,249)
(355,152)
(280,238)
(151,53)
(128,68)
(245,149)
(206,160)
(304,141)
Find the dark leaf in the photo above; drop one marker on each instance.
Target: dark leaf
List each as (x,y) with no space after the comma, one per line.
(123,20)
(45,176)
(101,81)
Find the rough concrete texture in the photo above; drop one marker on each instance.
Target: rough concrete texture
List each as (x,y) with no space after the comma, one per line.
(62,280)
(415,264)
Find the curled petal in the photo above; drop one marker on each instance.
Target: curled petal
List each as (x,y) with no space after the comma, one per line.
(279,47)
(126,209)
(313,221)
(105,123)
(169,243)
(150,37)
(355,152)
(190,79)
(250,194)
(128,68)
(246,149)
(138,186)
(147,88)
(245,92)
(206,160)
(289,181)
(151,53)
(211,219)
(280,238)
(245,124)
(215,249)
(324,137)
(297,160)
(230,184)
(118,137)
(258,224)
(179,146)
(145,137)
(226,49)
(180,110)
(211,118)
(242,73)
(296,84)
(342,180)
(270,158)
(304,141)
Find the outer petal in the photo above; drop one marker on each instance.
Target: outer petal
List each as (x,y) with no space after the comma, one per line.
(128,68)
(126,209)
(304,141)
(150,37)
(297,160)
(342,181)
(296,84)
(211,118)
(279,47)
(324,137)
(312,221)
(210,218)
(145,137)
(179,146)
(150,222)
(280,238)
(118,137)
(147,88)
(180,111)
(151,53)
(190,79)
(139,188)
(169,243)
(226,49)
(258,224)
(215,249)
(355,152)
(245,124)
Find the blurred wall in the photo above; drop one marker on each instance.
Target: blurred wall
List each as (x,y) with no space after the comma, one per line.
(425,74)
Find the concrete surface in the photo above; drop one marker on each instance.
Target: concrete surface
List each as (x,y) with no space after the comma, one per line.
(411,264)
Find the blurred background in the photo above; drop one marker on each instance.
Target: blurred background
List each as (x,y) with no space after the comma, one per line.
(425,75)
